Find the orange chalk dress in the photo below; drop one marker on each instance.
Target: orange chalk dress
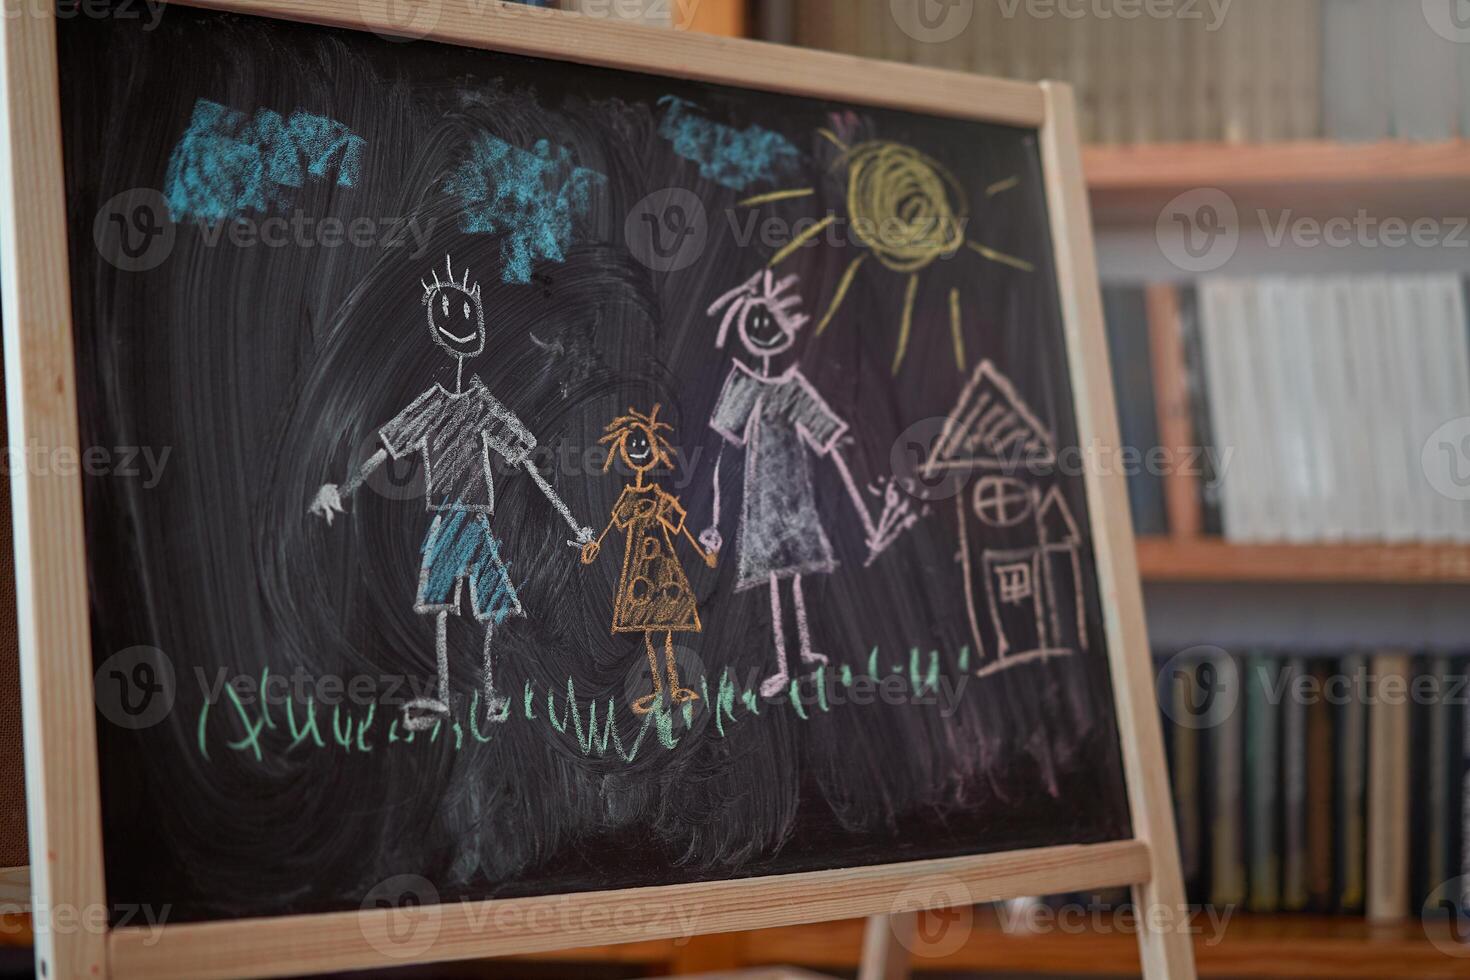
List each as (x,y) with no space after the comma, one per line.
(653,593)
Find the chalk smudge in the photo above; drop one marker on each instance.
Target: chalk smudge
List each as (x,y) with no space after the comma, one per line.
(532,197)
(228,163)
(733,157)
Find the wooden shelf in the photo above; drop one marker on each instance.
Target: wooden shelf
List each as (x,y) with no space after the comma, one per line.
(1212,560)
(1248,946)
(1131,184)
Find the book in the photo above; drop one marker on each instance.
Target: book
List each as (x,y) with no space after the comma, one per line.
(1331,342)
(1173,411)
(1185,771)
(1388,790)
(1355,77)
(1351,738)
(1424,77)
(1227,802)
(1126,316)
(1263,774)
(1293,789)
(1430,779)
(1393,467)
(1447,304)
(1320,753)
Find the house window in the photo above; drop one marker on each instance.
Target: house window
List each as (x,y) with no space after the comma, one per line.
(1015,582)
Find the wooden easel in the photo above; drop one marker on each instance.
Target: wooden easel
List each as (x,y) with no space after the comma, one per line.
(57,665)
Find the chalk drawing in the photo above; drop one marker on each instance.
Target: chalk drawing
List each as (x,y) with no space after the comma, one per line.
(227,163)
(905,210)
(734,158)
(1032,583)
(534,198)
(454,433)
(653,593)
(781,421)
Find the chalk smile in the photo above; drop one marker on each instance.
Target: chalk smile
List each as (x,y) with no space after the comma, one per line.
(456,337)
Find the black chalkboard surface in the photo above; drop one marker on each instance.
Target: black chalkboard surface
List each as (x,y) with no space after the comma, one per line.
(392,331)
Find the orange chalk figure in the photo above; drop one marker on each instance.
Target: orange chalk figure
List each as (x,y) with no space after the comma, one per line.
(653,593)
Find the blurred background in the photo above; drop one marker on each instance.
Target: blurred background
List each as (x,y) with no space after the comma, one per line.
(1281,199)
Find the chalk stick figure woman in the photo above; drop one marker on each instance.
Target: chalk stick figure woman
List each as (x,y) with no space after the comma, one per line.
(653,591)
(455,433)
(781,422)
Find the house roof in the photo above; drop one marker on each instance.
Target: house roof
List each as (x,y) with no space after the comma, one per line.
(990,427)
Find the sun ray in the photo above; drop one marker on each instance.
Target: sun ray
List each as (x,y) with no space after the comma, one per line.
(801,240)
(843,285)
(1001,186)
(1001,257)
(751,202)
(954,328)
(908,321)
(833,139)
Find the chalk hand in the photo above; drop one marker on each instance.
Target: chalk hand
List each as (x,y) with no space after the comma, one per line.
(327,503)
(710,538)
(584,535)
(589,552)
(711,558)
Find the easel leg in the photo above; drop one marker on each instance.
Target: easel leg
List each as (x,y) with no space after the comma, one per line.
(887,943)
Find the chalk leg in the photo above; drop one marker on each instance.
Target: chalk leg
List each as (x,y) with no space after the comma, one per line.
(777,682)
(803,631)
(497,708)
(645,704)
(421,714)
(680,695)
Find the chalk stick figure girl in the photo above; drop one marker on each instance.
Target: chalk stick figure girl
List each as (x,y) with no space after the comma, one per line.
(782,422)
(653,592)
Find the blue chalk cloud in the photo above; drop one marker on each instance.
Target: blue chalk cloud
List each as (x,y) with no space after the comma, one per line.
(532,197)
(736,158)
(229,163)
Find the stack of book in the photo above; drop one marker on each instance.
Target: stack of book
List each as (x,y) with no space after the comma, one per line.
(1318,405)
(1246,71)
(1322,783)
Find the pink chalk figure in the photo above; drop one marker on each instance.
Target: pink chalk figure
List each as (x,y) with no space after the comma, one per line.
(782,422)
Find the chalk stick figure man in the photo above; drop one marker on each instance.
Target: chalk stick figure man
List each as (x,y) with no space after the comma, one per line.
(781,422)
(653,591)
(455,433)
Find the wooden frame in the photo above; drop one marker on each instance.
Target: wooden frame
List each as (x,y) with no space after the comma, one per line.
(61,755)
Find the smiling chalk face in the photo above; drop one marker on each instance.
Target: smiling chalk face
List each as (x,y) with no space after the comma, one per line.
(456,319)
(637,449)
(763,332)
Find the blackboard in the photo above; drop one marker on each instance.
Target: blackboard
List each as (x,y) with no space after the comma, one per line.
(508,477)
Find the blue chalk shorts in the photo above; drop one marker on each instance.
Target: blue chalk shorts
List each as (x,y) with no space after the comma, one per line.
(460,546)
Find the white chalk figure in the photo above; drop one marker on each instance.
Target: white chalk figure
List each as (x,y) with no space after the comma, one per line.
(455,433)
(781,422)
(1032,573)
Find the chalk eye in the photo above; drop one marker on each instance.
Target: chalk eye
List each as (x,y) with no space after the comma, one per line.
(444,304)
(467,311)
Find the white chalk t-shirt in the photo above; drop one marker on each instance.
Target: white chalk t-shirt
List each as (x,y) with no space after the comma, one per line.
(456,434)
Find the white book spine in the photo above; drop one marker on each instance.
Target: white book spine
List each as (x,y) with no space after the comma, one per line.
(1448,298)
(1393,433)
(1368,400)
(1260,399)
(1288,413)
(1324,340)
(1347,414)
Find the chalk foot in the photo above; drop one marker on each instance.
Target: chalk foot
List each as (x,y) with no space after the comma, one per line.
(422,714)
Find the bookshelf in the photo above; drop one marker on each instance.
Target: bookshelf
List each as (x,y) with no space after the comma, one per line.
(1131,183)
(1168,559)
